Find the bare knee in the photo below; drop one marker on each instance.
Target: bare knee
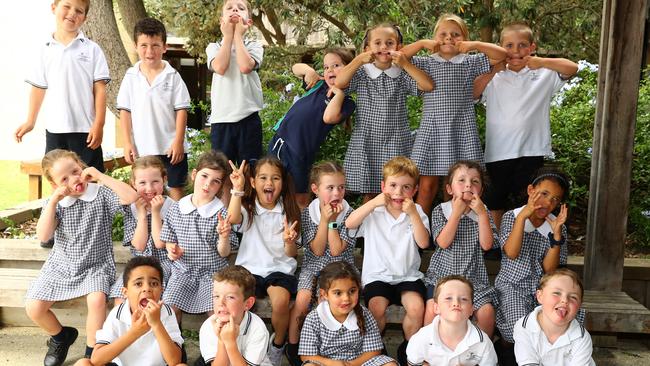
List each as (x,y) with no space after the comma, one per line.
(96,300)
(377,307)
(37,308)
(414,308)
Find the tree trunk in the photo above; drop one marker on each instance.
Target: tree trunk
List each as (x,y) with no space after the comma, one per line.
(487,28)
(131,11)
(101,27)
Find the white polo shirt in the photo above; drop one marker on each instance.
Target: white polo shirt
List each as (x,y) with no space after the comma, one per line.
(390,252)
(573,348)
(252,341)
(153,107)
(68,73)
(235,95)
(261,250)
(518,113)
(145,350)
(476,348)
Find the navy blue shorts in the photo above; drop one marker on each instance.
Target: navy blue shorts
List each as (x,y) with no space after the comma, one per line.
(296,165)
(75,141)
(239,140)
(176,173)
(288,282)
(392,292)
(509,180)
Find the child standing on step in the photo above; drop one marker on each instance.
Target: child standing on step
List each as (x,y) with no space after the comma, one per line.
(79,216)
(143,219)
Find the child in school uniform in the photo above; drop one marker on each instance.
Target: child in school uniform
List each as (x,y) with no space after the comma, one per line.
(462,230)
(550,334)
(452,339)
(233,335)
(382,78)
(142,330)
(325,240)
(267,216)
(79,216)
(533,242)
(340,328)
(73,71)
(153,102)
(195,234)
(448,131)
(143,218)
(236,93)
(393,228)
(517,94)
(306,124)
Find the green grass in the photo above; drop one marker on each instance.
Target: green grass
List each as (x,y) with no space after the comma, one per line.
(13,184)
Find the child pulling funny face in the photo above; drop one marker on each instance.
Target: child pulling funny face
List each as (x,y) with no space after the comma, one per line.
(560,298)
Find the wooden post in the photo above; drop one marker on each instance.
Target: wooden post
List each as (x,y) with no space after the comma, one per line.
(621,46)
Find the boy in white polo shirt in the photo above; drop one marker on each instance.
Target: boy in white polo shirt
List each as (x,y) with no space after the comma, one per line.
(518,96)
(141,330)
(452,339)
(550,334)
(393,227)
(73,71)
(153,102)
(233,335)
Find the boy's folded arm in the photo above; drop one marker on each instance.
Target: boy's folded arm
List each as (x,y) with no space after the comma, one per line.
(171,351)
(566,68)
(105,353)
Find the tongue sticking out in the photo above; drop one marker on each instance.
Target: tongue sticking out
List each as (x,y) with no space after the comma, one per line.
(79,187)
(561,312)
(144,302)
(268,195)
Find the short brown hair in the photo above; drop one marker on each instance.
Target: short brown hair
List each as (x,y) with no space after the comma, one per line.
(519,27)
(562,272)
(239,276)
(345,54)
(149,161)
(448,17)
(85,2)
(446,279)
(469,164)
(401,165)
(52,156)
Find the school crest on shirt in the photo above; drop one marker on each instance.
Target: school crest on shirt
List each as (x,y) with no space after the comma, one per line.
(83,57)
(472,358)
(534,76)
(166,86)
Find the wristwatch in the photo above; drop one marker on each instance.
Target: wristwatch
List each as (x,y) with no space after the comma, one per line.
(333,225)
(553,243)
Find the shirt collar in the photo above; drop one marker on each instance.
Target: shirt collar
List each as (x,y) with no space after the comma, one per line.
(167,69)
(80,36)
(459,58)
(261,210)
(245,323)
(403,216)
(89,195)
(314,211)
(163,210)
(523,71)
(208,210)
(472,336)
(544,229)
(574,331)
(374,72)
(124,312)
(327,318)
(446,210)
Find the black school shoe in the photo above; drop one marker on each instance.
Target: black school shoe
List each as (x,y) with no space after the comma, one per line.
(58,351)
(401,353)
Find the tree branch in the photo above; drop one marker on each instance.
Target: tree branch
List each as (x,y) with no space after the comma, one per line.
(277,26)
(267,34)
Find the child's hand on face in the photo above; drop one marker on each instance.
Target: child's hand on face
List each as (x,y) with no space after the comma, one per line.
(366,57)
(328,211)
(556,224)
(476,204)
(90,173)
(333,91)
(174,251)
(311,78)
(227,27)
(408,207)
(60,192)
(223,227)
(465,46)
(398,58)
(242,26)
(289,235)
(382,199)
(141,206)
(229,331)
(217,326)
(532,205)
(431,44)
(458,205)
(139,322)
(152,312)
(157,203)
(533,62)
(237,177)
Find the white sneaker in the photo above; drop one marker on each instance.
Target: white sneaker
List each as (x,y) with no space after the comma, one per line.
(275,354)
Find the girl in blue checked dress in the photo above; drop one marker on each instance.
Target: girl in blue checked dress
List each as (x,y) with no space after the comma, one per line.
(462,229)
(143,219)
(192,238)
(79,216)
(267,216)
(382,77)
(325,239)
(448,130)
(340,328)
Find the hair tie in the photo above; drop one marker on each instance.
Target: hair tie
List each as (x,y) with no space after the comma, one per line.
(551,175)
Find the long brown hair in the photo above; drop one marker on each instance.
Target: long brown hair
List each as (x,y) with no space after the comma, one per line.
(343,270)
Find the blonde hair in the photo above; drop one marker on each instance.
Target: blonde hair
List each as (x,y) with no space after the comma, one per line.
(324,168)
(85,2)
(401,165)
(448,17)
(150,161)
(519,27)
(238,276)
(57,154)
(248,8)
(446,279)
(562,272)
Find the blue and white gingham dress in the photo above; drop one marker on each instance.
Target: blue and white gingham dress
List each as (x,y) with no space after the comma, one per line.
(448,130)
(81,261)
